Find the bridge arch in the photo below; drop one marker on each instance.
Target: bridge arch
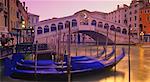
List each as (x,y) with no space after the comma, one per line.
(39,30)
(95,36)
(46,29)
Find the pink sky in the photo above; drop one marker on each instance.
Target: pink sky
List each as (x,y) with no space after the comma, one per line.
(60,8)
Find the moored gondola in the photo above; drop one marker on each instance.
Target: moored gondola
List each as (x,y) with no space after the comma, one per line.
(52,70)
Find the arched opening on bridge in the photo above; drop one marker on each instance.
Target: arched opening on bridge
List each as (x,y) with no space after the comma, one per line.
(53,27)
(93,23)
(112,28)
(46,28)
(60,26)
(100,38)
(67,24)
(74,23)
(39,30)
(118,29)
(124,31)
(100,24)
(106,26)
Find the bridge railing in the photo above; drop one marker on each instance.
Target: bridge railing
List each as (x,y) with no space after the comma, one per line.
(6,51)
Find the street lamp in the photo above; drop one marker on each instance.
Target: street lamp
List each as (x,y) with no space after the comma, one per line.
(141,34)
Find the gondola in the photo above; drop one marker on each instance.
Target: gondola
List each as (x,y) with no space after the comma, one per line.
(52,70)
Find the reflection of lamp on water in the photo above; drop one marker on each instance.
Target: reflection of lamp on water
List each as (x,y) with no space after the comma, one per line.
(142,34)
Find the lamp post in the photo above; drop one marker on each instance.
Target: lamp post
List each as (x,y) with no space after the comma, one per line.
(141,34)
(69,53)
(106,43)
(129,64)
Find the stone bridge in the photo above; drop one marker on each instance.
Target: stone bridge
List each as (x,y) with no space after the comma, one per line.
(85,26)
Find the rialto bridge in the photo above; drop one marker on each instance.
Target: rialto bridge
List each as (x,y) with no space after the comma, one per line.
(85,27)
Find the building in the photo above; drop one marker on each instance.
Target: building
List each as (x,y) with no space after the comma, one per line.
(4,16)
(145,19)
(145,22)
(129,15)
(13,15)
(33,19)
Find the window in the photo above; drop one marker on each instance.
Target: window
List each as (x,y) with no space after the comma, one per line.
(37,20)
(100,24)
(106,26)
(93,23)
(118,21)
(112,28)
(135,11)
(130,19)
(125,15)
(118,29)
(46,28)
(124,31)
(5,18)
(39,30)
(130,13)
(135,18)
(74,23)
(134,24)
(140,19)
(60,26)
(17,14)
(67,24)
(53,27)
(148,18)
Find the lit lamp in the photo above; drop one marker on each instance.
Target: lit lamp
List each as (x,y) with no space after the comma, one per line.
(23,24)
(142,34)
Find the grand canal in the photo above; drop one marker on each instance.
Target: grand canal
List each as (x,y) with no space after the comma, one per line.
(140,66)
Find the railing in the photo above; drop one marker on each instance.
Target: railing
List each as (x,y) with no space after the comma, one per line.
(3,29)
(6,51)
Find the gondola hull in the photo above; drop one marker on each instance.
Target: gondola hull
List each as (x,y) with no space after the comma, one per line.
(51,71)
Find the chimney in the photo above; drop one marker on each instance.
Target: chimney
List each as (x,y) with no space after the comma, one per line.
(117,6)
(23,4)
(26,8)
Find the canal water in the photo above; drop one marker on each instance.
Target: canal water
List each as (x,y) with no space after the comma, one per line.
(140,66)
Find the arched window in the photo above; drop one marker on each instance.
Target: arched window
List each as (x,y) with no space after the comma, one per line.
(93,23)
(74,23)
(60,25)
(100,24)
(53,27)
(67,24)
(124,31)
(106,26)
(118,29)
(112,28)
(46,28)
(39,30)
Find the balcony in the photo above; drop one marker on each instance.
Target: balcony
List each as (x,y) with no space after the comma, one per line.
(3,29)
(5,9)
(1,6)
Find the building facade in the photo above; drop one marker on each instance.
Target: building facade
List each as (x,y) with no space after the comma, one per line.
(33,19)
(4,16)
(145,23)
(13,15)
(129,15)
(145,19)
